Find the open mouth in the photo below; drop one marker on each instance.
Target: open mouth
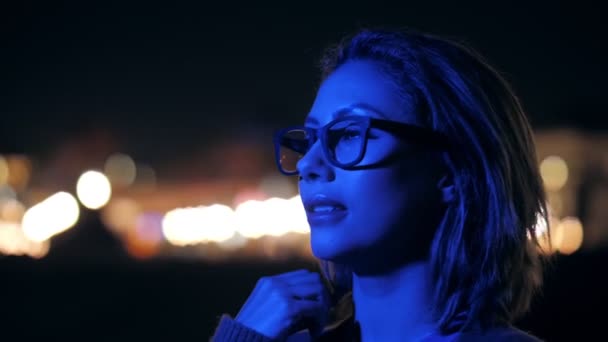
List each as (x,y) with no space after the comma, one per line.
(323,210)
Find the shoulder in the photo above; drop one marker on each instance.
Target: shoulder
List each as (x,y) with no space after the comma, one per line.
(301,336)
(506,333)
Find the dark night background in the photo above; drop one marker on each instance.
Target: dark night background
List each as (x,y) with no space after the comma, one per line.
(168,81)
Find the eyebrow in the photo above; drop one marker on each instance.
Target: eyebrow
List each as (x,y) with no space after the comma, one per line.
(349,110)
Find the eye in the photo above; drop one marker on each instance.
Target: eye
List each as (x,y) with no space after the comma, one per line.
(344,134)
(351,133)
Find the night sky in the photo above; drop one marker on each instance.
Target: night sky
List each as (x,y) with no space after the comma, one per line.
(170,77)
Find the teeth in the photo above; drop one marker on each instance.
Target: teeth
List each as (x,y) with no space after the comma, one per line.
(323,209)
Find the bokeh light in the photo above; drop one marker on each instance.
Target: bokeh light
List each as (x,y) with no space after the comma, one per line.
(279,215)
(277,185)
(13,241)
(11,210)
(554,172)
(233,243)
(120,169)
(569,235)
(4,171)
(145,239)
(180,225)
(189,226)
(93,189)
(298,216)
(274,216)
(250,219)
(19,171)
(52,216)
(219,223)
(6,192)
(120,215)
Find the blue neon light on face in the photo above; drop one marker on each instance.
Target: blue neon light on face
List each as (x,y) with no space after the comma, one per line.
(372,207)
(344,139)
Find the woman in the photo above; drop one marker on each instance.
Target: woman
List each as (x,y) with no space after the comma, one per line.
(418,173)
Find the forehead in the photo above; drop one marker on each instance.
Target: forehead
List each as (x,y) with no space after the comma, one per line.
(355,84)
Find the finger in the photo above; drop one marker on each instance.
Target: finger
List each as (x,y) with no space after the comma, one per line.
(308,291)
(308,313)
(272,281)
(310,277)
(291,274)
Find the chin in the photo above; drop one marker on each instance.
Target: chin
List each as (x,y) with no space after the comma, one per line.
(324,250)
(331,251)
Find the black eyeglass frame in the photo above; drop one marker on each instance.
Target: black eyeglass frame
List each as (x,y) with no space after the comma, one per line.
(414,133)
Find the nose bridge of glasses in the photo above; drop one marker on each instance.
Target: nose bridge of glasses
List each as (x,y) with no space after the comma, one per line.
(315,146)
(314,157)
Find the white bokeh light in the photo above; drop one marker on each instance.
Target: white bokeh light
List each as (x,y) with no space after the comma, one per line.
(250,219)
(189,226)
(93,189)
(50,217)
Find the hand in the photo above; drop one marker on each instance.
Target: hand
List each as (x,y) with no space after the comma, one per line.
(286,303)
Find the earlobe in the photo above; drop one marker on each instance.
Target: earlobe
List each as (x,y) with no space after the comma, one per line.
(448,194)
(448,191)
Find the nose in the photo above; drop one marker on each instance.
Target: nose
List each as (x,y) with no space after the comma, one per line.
(314,165)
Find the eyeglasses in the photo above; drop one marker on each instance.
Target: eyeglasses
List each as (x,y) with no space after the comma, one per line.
(344,140)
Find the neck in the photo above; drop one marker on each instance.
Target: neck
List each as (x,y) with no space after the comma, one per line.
(394,306)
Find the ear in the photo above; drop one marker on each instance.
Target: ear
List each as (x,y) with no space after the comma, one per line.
(448,191)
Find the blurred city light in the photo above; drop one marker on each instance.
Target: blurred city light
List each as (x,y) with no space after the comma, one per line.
(277,185)
(184,226)
(274,216)
(148,227)
(569,235)
(93,189)
(120,169)
(11,210)
(200,224)
(6,192)
(219,224)
(298,216)
(120,215)
(247,195)
(554,172)
(556,201)
(52,216)
(278,216)
(233,243)
(145,239)
(13,241)
(250,219)
(146,221)
(4,171)
(18,171)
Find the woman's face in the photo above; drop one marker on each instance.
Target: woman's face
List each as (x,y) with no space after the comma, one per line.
(381,212)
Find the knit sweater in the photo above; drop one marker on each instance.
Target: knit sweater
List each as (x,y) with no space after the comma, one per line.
(342,326)
(230,330)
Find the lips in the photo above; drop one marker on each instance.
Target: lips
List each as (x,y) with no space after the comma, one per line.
(322,210)
(321,204)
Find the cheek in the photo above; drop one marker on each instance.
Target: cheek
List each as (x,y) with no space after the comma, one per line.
(385,198)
